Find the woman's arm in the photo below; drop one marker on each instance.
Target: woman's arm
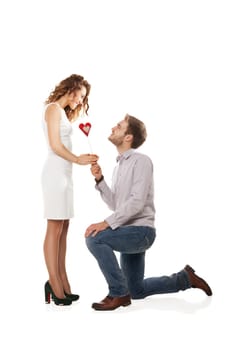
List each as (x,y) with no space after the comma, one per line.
(52,117)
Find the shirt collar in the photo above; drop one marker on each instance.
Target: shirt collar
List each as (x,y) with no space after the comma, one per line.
(125,155)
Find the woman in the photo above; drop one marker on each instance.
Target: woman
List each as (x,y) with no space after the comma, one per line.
(63,106)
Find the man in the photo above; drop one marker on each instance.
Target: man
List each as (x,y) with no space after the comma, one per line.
(130,229)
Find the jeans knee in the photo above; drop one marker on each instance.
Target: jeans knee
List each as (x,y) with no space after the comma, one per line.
(136,293)
(89,242)
(137,296)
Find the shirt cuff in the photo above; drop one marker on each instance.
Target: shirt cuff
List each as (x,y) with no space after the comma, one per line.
(98,181)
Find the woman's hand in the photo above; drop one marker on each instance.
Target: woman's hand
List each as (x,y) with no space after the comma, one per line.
(85,159)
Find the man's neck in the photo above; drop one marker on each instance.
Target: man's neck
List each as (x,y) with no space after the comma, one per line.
(122,149)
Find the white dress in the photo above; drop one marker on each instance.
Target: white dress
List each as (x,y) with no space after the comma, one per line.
(57,183)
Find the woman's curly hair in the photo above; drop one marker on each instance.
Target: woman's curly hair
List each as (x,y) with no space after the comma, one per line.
(71,84)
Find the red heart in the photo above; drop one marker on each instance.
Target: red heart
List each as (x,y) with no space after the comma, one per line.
(85,128)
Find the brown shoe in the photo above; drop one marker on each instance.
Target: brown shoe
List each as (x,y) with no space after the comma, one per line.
(112,303)
(196,281)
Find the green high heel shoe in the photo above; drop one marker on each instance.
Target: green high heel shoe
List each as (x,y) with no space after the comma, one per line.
(73,297)
(58,301)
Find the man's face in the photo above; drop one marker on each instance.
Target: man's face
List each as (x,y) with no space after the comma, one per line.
(118,133)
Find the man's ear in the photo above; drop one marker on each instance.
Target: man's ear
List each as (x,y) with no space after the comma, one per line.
(129,138)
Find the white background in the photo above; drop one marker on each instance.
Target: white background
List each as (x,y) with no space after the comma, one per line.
(168,63)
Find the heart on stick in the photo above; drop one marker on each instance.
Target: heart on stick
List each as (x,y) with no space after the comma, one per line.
(85,128)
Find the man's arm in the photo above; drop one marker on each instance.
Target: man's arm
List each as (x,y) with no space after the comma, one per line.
(135,204)
(102,187)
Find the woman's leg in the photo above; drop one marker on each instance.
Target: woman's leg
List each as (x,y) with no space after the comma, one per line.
(62,258)
(51,254)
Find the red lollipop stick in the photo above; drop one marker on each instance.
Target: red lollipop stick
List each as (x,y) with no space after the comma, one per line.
(85,128)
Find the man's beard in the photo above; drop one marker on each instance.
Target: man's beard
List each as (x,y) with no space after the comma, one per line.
(115,142)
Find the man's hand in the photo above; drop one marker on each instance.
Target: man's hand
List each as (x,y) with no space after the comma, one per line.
(93,229)
(96,171)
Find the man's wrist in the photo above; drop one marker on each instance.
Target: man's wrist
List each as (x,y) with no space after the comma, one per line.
(99,180)
(106,224)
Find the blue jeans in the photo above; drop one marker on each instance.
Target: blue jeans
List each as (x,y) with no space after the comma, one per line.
(128,277)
